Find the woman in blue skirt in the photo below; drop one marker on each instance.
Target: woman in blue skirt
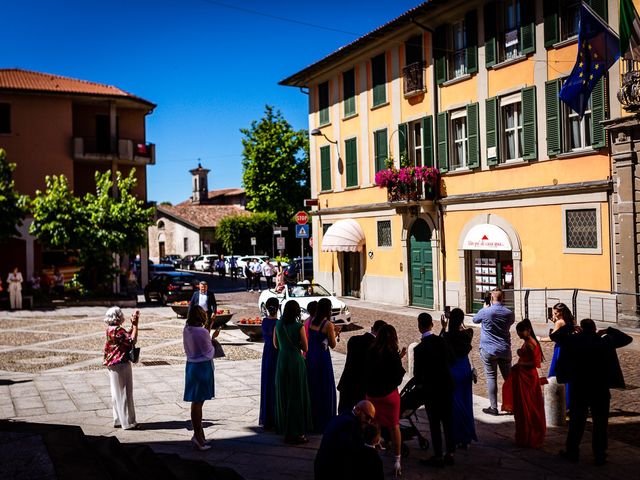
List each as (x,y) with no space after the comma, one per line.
(199,383)
(269,363)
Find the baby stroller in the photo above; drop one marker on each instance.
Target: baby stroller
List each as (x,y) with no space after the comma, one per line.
(410,401)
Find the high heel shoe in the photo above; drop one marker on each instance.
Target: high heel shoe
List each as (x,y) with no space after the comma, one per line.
(200,446)
(397,469)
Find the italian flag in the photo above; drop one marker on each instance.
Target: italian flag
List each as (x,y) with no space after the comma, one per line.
(629,31)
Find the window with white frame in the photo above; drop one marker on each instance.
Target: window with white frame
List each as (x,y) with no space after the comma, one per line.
(384,233)
(577,134)
(511,127)
(582,229)
(458,62)
(569,18)
(459,135)
(415,143)
(511,15)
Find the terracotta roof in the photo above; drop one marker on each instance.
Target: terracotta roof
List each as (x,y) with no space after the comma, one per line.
(223,192)
(202,216)
(301,78)
(26,80)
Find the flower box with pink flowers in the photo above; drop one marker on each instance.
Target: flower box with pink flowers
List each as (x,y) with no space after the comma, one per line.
(409,183)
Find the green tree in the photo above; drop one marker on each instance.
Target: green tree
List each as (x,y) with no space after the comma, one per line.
(98,225)
(235,232)
(12,204)
(275,165)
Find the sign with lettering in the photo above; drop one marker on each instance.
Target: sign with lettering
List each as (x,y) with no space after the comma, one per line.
(486,237)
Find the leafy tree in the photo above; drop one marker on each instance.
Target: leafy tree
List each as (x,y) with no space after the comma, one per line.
(12,204)
(235,232)
(275,165)
(98,225)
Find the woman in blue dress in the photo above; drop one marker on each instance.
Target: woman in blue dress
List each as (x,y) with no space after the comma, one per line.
(563,319)
(269,363)
(459,338)
(322,384)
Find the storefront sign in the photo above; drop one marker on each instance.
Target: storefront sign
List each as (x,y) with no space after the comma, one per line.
(486,237)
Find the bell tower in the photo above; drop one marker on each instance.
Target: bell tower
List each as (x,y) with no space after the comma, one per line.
(200,186)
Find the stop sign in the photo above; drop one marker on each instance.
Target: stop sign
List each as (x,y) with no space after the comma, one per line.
(302,218)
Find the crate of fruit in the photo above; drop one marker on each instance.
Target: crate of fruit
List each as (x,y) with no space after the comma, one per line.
(221,318)
(251,327)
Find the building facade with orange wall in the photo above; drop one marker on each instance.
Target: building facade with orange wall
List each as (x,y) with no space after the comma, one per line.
(470,88)
(53,125)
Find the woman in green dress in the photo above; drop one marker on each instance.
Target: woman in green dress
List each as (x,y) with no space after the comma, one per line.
(293,405)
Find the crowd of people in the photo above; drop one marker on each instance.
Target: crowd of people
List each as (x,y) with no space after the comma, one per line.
(38,284)
(299,394)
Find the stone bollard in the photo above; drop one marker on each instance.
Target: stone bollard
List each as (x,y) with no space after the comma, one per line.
(554,403)
(410,358)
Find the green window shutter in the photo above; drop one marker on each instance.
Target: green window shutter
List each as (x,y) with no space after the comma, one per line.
(551,33)
(440,53)
(473,135)
(427,140)
(552,105)
(471,51)
(379,78)
(403,131)
(323,102)
(600,7)
(325,168)
(598,107)
(443,144)
(349,92)
(381,150)
(491,106)
(527,27)
(351,153)
(490,50)
(529,125)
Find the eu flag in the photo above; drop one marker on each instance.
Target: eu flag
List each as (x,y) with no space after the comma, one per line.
(598,49)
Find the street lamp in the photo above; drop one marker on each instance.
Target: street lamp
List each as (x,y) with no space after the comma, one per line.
(316,132)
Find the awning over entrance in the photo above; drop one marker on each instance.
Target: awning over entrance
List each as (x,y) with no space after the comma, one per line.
(486,237)
(343,236)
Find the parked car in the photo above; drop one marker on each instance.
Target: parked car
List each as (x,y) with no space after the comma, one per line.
(187,262)
(168,287)
(175,260)
(261,259)
(304,293)
(156,268)
(294,271)
(205,263)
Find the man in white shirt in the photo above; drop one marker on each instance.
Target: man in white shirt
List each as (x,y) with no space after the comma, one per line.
(204,298)
(256,269)
(268,271)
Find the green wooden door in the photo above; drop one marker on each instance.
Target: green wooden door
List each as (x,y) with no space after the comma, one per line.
(421,268)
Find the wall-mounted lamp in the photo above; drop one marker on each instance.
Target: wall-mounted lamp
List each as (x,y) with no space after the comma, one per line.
(370,254)
(316,132)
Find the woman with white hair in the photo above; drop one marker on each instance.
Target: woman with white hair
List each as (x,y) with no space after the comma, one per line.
(116,358)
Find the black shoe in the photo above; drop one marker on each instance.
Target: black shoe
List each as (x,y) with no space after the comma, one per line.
(448,459)
(571,457)
(434,461)
(491,411)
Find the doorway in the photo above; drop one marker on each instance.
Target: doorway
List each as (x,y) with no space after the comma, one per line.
(488,269)
(351,274)
(421,265)
(161,250)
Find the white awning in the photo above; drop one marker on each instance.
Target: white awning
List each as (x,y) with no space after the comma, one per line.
(486,237)
(343,236)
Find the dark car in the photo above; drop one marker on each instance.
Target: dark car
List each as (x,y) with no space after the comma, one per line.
(294,271)
(175,260)
(187,262)
(169,287)
(160,267)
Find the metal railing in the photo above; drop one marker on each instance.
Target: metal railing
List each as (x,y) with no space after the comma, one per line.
(413,75)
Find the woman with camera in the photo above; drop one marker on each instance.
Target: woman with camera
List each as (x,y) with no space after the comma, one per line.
(120,342)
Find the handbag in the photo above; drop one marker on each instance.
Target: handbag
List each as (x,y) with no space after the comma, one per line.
(218,351)
(134,354)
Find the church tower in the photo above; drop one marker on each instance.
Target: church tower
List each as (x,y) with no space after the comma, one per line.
(200,193)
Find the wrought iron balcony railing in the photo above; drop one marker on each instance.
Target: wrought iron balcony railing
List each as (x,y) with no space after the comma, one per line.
(413,75)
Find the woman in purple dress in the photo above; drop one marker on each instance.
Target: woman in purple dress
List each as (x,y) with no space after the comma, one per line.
(269,363)
(322,384)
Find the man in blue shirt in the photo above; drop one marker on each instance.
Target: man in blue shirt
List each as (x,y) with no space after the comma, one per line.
(495,344)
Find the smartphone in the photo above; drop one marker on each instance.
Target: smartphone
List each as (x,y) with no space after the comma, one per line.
(447,311)
(549,313)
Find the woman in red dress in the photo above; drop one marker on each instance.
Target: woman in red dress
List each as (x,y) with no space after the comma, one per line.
(522,393)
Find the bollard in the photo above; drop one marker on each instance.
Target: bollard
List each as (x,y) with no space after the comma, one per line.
(554,403)
(410,358)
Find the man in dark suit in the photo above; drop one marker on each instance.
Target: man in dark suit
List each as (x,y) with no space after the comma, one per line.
(432,360)
(204,298)
(351,384)
(588,361)
(337,457)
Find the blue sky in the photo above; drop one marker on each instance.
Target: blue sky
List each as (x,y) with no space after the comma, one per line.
(209,68)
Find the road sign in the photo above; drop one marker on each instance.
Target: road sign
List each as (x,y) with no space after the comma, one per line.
(280,243)
(310,202)
(302,231)
(253,241)
(302,218)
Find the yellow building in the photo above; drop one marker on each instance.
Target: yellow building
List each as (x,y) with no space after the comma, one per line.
(469,87)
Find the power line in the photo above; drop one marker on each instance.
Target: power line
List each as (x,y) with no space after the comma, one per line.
(277,17)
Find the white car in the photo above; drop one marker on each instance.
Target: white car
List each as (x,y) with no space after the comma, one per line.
(205,263)
(305,293)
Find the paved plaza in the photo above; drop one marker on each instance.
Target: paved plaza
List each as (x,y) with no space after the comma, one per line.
(50,372)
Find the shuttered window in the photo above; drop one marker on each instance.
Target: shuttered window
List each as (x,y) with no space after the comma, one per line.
(403,144)
(552,107)
(349,92)
(509,27)
(325,168)
(529,127)
(379,78)
(323,103)
(493,153)
(455,48)
(427,140)
(381,150)
(443,145)
(562,18)
(473,130)
(351,154)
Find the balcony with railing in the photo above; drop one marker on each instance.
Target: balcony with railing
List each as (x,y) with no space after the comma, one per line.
(410,184)
(629,93)
(413,75)
(124,151)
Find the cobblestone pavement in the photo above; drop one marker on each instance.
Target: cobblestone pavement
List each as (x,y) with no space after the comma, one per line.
(50,371)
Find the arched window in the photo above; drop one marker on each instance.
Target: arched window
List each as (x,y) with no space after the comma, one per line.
(161,225)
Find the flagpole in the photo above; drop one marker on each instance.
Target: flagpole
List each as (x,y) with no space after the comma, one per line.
(600,19)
